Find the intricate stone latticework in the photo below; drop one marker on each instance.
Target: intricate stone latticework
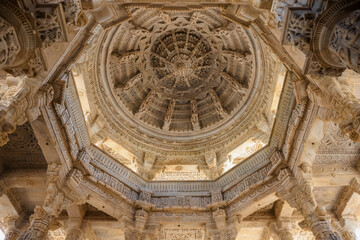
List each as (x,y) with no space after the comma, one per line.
(298,32)
(50,25)
(9,43)
(329,40)
(344,41)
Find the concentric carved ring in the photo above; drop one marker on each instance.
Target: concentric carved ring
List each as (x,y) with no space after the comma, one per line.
(181,61)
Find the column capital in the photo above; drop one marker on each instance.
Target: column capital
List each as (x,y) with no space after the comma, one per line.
(141,217)
(40,223)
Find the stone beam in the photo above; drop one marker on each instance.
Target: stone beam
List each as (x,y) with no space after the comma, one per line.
(311,144)
(258,204)
(25,179)
(7,208)
(45,140)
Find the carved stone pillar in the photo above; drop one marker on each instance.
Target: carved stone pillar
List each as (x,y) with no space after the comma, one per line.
(44,216)
(11,231)
(40,223)
(141,217)
(298,193)
(322,230)
(212,163)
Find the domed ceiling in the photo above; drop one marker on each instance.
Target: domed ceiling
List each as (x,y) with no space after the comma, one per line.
(171,75)
(176,85)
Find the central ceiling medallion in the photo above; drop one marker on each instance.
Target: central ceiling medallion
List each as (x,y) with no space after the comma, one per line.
(184,60)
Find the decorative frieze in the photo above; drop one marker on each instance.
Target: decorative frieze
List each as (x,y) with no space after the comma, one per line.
(248,183)
(200,203)
(294,122)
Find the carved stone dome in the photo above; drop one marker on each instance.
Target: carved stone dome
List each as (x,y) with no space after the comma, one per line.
(180,72)
(177,85)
